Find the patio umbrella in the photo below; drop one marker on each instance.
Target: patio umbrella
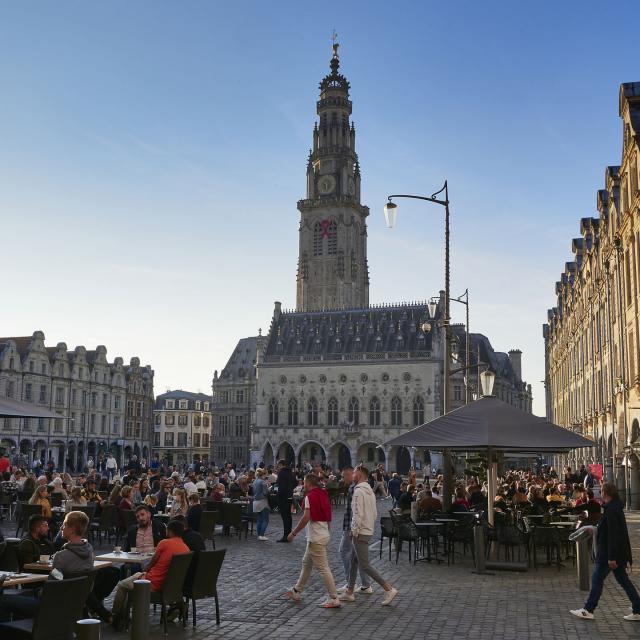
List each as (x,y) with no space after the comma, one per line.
(15,409)
(491,425)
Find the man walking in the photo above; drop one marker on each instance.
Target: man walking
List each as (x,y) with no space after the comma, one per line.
(316,518)
(286,484)
(613,553)
(111,466)
(362,525)
(346,550)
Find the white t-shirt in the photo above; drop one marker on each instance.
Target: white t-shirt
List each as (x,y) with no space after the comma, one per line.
(316,531)
(190,488)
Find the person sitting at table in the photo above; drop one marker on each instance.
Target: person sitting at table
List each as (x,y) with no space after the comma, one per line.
(217,493)
(143,489)
(56,487)
(125,504)
(36,543)
(151,501)
(179,506)
(592,507)
(428,504)
(461,503)
(76,558)
(554,496)
(235,490)
(41,497)
(136,496)
(520,498)
(76,499)
(162,495)
(195,512)
(145,535)
(114,496)
(156,571)
(406,498)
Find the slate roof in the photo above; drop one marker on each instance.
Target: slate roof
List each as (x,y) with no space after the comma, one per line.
(384,329)
(242,361)
(22,343)
(179,394)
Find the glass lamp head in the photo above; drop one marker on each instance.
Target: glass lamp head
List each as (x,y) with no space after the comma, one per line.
(487,379)
(390,213)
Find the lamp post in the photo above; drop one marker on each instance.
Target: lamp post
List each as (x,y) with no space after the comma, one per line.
(390,213)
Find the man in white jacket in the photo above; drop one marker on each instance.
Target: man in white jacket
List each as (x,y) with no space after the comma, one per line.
(362,525)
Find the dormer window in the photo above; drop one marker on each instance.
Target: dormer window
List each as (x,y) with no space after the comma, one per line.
(170,404)
(184,404)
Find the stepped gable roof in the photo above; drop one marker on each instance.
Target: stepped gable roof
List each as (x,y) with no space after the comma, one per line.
(242,362)
(391,328)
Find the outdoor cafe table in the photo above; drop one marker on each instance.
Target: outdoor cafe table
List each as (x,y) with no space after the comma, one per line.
(47,566)
(424,526)
(124,557)
(16,579)
(564,523)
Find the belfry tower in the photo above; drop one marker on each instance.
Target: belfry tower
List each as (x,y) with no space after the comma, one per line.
(332,262)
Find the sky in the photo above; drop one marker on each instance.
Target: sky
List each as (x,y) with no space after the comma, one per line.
(152,154)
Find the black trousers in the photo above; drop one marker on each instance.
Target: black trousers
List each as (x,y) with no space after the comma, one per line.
(284,506)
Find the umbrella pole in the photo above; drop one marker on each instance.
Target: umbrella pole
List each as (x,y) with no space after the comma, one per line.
(491,484)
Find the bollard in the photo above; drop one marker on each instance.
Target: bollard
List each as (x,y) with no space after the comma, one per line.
(88,629)
(140,598)
(479,550)
(582,562)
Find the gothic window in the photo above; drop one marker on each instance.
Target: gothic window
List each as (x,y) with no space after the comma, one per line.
(354,411)
(374,412)
(292,413)
(317,239)
(396,412)
(418,412)
(332,413)
(312,413)
(332,249)
(273,412)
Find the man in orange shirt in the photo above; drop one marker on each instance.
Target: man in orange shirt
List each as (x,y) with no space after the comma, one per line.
(156,570)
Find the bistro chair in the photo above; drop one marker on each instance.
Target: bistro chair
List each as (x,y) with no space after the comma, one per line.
(208,522)
(106,523)
(406,531)
(26,511)
(387,530)
(232,517)
(9,555)
(171,593)
(205,581)
(60,606)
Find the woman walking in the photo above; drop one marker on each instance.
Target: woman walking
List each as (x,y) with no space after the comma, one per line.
(261,503)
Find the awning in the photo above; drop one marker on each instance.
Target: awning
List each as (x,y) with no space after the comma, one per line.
(15,409)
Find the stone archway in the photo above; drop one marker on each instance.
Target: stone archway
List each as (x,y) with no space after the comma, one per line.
(371,454)
(71,457)
(267,455)
(286,453)
(403,460)
(312,452)
(340,456)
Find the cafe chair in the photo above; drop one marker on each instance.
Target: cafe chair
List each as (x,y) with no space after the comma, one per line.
(386,531)
(205,581)
(26,511)
(60,606)
(208,522)
(106,523)
(173,587)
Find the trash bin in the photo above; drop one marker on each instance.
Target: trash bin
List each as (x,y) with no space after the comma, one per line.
(583,539)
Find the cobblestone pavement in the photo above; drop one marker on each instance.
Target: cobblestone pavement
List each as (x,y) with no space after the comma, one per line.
(435,601)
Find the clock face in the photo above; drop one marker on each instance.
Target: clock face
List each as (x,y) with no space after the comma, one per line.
(326,184)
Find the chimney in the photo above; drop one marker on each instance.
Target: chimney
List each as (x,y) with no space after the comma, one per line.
(515,357)
(277,310)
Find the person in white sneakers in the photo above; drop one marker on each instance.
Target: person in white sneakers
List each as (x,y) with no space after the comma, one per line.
(613,553)
(316,518)
(362,524)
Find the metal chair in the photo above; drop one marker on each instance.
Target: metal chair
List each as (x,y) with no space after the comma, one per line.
(26,511)
(208,522)
(173,587)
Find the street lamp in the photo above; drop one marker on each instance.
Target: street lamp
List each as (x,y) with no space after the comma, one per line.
(390,214)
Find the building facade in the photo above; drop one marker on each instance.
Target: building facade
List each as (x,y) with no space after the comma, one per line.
(234,404)
(338,378)
(182,427)
(591,337)
(90,394)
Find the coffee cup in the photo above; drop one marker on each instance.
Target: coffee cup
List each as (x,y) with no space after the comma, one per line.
(117,549)
(44,559)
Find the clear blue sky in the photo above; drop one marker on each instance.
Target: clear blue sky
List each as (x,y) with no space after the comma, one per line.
(152,153)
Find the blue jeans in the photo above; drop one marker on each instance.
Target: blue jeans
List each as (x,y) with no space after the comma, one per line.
(263,521)
(348,555)
(600,572)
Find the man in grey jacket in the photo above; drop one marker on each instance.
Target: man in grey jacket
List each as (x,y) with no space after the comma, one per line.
(362,525)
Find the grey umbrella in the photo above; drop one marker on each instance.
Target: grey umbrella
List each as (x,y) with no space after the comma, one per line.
(491,425)
(15,409)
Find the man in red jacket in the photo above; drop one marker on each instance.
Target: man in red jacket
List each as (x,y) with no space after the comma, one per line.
(316,518)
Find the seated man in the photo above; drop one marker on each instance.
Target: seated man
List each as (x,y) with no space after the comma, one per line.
(428,504)
(36,543)
(146,534)
(156,570)
(76,558)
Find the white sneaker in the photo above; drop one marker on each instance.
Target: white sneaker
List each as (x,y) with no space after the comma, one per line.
(347,597)
(263,538)
(361,589)
(632,616)
(330,603)
(582,613)
(343,588)
(389,596)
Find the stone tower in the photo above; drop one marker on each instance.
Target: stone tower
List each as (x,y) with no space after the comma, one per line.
(332,262)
